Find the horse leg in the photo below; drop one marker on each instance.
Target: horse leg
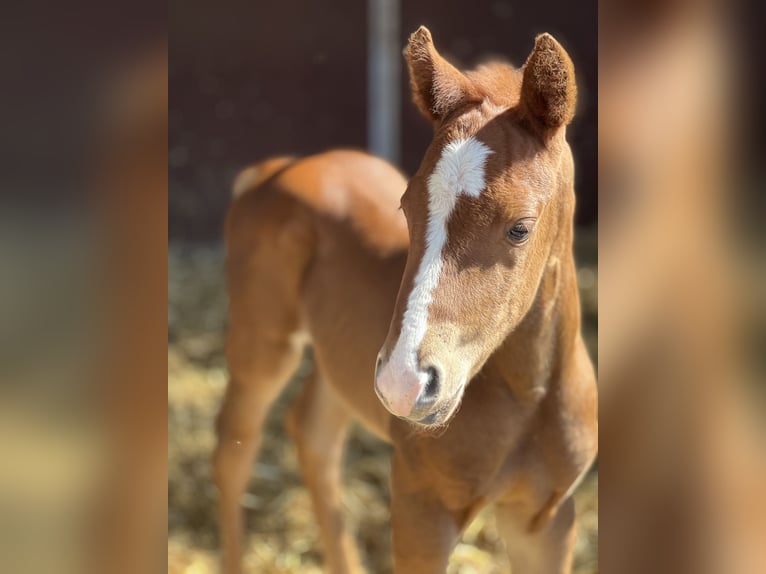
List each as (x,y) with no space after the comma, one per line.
(268,247)
(317,423)
(424,532)
(253,385)
(263,350)
(539,548)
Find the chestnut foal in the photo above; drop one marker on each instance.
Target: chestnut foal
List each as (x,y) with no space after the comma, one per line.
(483,365)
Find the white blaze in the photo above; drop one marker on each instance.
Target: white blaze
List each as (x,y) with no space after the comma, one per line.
(460,170)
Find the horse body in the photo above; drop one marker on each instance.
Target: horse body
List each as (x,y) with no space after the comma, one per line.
(315,253)
(318,252)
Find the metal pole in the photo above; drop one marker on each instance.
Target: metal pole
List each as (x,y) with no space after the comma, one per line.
(383,72)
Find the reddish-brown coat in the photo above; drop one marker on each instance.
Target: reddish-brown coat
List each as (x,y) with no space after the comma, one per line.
(318,250)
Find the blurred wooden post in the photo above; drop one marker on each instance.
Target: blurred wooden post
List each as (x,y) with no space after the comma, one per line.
(384,56)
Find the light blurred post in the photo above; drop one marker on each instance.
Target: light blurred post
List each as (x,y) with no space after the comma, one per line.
(383,73)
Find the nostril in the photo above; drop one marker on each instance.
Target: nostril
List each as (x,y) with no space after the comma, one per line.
(432,386)
(377,366)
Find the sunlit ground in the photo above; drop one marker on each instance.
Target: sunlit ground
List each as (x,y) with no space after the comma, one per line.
(282,533)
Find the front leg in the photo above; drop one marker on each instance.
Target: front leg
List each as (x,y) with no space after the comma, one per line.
(424,531)
(544,545)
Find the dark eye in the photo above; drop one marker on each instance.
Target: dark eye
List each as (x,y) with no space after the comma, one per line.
(518,232)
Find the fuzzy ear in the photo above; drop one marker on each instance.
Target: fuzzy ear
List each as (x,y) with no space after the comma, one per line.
(548,90)
(438,87)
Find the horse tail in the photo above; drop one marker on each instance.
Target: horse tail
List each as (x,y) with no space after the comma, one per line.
(254,175)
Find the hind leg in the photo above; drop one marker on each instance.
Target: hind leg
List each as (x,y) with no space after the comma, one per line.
(255,381)
(318,422)
(547,550)
(262,351)
(268,247)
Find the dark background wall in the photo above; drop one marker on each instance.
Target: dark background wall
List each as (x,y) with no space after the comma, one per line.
(253,79)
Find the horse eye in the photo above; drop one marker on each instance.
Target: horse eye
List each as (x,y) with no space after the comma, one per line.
(518,232)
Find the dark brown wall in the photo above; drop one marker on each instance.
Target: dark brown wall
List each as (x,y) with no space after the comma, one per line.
(252,79)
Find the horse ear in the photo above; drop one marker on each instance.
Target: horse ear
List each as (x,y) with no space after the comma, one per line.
(548,90)
(438,87)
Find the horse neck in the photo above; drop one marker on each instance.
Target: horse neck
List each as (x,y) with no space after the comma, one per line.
(541,350)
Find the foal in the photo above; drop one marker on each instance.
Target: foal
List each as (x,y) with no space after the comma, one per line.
(483,365)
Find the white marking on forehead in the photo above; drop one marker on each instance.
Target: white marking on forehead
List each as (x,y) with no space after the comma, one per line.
(460,170)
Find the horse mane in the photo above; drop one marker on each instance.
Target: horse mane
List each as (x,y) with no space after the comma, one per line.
(498,81)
